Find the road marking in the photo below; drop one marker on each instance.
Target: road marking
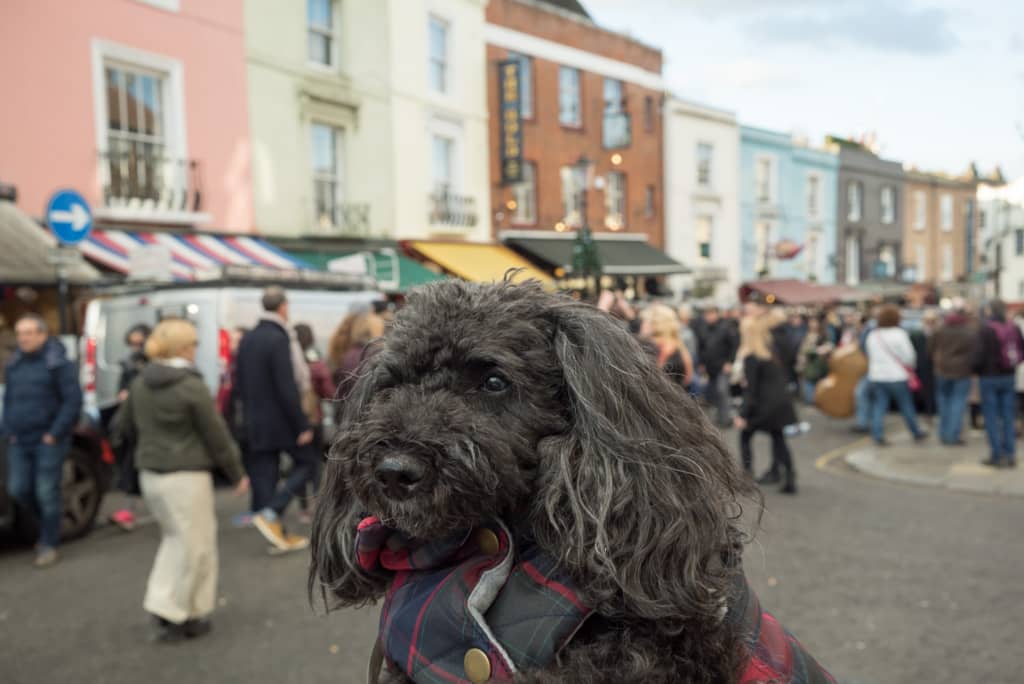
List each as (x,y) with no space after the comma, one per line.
(826,459)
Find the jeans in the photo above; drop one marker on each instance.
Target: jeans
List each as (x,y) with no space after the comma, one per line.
(809,387)
(998,397)
(718,396)
(33,480)
(951,398)
(264,471)
(862,402)
(881,395)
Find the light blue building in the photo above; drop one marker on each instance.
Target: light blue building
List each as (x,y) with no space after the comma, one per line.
(787,208)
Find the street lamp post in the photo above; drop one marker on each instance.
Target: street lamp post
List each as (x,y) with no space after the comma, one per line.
(585,261)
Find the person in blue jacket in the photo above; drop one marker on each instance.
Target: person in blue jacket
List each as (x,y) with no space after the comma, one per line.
(42,402)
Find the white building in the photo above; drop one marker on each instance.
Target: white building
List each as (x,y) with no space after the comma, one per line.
(702,184)
(369,119)
(1001,235)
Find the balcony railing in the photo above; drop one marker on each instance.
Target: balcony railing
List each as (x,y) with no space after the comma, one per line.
(346,218)
(139,178)
(449,209)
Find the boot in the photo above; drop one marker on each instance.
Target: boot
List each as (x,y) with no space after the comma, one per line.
(770,476)
(789,485)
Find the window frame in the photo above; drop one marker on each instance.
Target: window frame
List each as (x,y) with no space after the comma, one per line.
(649,116)
(920,210)
(445,61)
(921,257)
(708,183)
(947,201)
(623,194)
(1018,242)
(697,225)
(571,202)
(333,34)
(882,204)
(337,176)
(858,189)
(813,188)
(852,247)
(578,123)
(650,201)
(770,163)
(948,259)
(517,188)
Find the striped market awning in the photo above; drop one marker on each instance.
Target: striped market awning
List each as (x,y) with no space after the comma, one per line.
(190,254)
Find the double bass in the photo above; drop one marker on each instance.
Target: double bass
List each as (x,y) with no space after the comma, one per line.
(834,394)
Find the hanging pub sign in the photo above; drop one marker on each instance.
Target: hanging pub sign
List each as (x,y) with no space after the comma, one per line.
(511,122)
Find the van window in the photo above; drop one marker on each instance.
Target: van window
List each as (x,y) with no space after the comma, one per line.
(115,322)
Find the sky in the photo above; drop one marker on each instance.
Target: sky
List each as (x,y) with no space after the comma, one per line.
(939,82)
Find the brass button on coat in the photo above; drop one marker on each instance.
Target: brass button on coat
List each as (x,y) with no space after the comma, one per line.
(476,662)
(487,541)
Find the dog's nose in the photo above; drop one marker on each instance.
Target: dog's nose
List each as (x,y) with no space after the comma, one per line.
(399,475)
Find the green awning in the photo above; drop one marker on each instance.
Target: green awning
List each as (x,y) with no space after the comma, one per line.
(380,264)
(620,254)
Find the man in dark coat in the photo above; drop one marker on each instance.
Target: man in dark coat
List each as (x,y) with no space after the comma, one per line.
(42,402)
(265,383)
(718,340)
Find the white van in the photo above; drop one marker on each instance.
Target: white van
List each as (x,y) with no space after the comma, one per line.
(215,308)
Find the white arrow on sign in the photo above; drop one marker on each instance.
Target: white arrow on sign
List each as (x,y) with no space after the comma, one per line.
(77,216)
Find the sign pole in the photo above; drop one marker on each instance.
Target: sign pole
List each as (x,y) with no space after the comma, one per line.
(62,296)
(70,219)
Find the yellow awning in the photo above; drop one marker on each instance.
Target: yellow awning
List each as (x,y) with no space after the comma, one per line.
(479,262)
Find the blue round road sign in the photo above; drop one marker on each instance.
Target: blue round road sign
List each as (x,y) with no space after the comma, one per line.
(69,216)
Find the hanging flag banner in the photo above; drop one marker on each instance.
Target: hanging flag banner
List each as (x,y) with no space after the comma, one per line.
(511,122)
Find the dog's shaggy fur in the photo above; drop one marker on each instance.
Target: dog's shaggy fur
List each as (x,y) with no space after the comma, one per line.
(614,471)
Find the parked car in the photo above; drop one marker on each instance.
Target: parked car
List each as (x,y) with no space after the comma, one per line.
(216,309)
(87,474)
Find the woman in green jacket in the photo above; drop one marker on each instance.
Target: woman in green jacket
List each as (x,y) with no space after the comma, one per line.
(180,438)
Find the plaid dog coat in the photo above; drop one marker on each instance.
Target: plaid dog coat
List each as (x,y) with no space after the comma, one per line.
(473,608)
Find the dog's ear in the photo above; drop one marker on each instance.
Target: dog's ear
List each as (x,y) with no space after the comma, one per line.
(334,571)
(639,499)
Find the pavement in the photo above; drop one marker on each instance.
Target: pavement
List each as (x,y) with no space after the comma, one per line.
(884,582)
(932,464)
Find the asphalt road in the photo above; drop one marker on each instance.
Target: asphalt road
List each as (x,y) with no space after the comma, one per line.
(883,583)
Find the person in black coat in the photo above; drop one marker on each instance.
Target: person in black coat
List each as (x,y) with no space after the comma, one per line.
(767,405)
(273,419)
(717,343)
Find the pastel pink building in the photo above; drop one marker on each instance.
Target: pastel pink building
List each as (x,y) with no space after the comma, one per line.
(140,105)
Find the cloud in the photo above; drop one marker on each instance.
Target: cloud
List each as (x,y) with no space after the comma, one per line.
(885,27)
(1017,43)
(751,73)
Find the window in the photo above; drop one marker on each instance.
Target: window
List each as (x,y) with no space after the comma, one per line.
(1020,289)
(854,201)
(946,212)
(525,195)
(887,257)
(852,260)
(1019,240)
(704,154)
(569,113)
(763,179)
(982,216)
(704,229)
(813,195)
(320,35)
(443,163)
(888,200)
(812,256)
(922,263)
(438,31)
(649,208)
(615,201)
(327,173)
(920,210)
(615,122)
(947,263)
(572,187)
(525,84)
(762,234)
(136,135)
(649,114)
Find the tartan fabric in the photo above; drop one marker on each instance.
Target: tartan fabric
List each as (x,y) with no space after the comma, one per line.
(776,657)
(448,596)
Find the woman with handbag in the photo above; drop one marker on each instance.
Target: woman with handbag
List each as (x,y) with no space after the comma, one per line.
(891,362)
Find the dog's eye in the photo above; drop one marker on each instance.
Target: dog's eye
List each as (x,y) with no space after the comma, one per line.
(495,383)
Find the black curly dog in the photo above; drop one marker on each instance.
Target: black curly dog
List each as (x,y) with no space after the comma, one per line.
(542,410)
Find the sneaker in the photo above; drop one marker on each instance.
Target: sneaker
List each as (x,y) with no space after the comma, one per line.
(45,557)
(197,627)
(769,477)
(296,542)
(920,437)
(992,463)
(271,528)
(124,519)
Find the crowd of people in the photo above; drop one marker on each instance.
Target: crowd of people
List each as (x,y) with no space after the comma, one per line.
(751,366)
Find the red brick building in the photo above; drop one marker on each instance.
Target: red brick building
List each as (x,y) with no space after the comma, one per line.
(587,91)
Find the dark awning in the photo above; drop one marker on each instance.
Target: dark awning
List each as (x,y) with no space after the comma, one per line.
(794,292)
(620,254)
(28,249)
